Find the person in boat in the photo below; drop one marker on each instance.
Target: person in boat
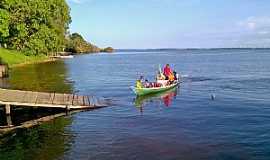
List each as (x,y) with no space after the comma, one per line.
(147,84)
(176,75)
(169,74)
(141,79)
(160,76)
(139,84)
(144,83)
(167,71)
(171,78)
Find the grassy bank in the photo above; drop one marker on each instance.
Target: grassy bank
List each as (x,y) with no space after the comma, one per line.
(15,58)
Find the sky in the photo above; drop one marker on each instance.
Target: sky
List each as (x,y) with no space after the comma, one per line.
(141,24)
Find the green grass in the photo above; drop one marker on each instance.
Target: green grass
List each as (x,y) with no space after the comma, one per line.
(13,58)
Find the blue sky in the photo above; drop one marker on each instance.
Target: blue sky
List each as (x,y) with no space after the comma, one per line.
(172,23)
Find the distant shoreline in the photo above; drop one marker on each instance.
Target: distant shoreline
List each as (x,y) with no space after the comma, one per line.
(181,49)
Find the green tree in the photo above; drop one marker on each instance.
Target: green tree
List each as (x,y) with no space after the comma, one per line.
(77,44)
(33,26)
(4,24)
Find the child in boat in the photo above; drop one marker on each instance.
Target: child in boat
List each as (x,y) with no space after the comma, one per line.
(139,84)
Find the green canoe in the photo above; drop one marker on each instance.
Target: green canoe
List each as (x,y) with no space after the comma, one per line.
(140,100)
(146,91)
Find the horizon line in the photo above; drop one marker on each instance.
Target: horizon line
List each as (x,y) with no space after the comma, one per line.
(192,48)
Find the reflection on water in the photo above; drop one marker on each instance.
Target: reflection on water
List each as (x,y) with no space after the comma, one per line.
(20,115)
(46,77)
(48,141)
(158,98)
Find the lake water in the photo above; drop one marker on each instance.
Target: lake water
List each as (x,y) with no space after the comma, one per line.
(181,124)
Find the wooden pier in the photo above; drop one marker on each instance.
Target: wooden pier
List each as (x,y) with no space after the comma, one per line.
(70,102)
(10,98)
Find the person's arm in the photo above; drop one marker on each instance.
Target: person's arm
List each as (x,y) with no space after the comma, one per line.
(164,70)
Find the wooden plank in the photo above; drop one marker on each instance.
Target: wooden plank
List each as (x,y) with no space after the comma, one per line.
(52,98)
(80,101)
(30,97)
(12,96)
(59,99)
(90,100)
(23,97)
(85,101)
(68,99)
(43,98)
(2,94)
(76,101)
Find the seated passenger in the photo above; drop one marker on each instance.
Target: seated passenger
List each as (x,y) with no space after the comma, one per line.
(160,76)
(171,78)
(146,84)
(176,75)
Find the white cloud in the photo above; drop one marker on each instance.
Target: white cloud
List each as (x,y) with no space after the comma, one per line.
(254,31)
(255,23)
(263,32)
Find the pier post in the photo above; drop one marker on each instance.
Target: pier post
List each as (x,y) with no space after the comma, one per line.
(3,70)
(67,110)
(67,107)
(9,121)
(7,109)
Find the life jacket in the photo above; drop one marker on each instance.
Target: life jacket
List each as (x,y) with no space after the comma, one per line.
(171,77)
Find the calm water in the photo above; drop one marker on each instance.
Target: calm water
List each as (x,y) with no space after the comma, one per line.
(179,124)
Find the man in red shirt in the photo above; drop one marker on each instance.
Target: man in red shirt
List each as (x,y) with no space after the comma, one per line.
(167,71)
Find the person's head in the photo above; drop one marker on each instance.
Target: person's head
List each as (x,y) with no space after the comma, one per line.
(141,77)
(167,65)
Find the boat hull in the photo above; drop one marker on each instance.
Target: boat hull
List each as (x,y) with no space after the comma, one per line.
(147,91)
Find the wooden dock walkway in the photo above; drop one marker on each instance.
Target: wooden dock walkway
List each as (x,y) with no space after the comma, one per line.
(42,99)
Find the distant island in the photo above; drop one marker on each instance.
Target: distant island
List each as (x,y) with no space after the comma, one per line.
(33,30)
(77,45)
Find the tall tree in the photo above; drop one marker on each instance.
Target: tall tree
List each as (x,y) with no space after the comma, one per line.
(34,26)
